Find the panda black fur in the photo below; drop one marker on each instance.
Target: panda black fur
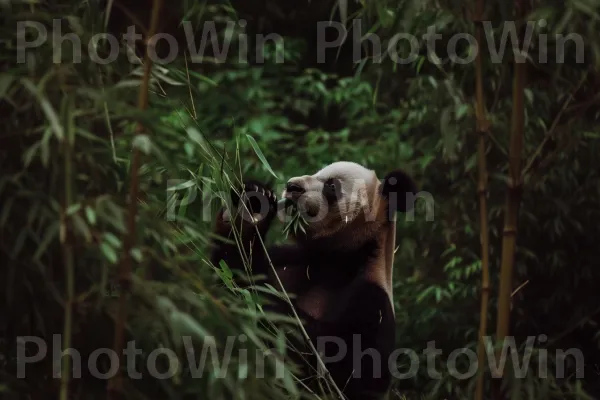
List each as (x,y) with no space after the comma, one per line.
(338,271)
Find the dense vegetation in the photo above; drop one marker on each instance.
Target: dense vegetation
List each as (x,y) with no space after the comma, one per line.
(73,132)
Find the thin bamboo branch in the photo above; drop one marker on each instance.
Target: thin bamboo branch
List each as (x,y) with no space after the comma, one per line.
(518,289)
(509,234)
(331,385)
(187,71)
(497,94)
(116,384)
(538,151)
(561,335)
(482,130)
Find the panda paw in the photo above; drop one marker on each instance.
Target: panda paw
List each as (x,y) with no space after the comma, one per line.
(255,204)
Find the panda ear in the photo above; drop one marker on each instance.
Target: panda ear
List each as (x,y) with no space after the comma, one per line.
(395,188)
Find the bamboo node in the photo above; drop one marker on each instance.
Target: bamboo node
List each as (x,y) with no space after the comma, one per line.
(483,125)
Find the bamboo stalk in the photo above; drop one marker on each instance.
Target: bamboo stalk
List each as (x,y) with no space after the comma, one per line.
(482,129)
(69,267)
(116,383)
(509,234)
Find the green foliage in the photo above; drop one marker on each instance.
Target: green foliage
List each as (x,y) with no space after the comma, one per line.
(69,128)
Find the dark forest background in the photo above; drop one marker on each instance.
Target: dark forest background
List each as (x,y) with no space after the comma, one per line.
(70,138)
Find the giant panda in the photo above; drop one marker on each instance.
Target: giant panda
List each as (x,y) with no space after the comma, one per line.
(337,269)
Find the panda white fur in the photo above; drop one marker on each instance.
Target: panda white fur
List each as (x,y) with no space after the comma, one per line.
(338,270)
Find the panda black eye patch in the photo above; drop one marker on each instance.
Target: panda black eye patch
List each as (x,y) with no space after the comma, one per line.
(332,189)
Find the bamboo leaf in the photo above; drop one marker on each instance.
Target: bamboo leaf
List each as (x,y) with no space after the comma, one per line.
(46,108)
(113,240)
(109,252)
(6,208)
(6,81)
(20,241)
(136,254)
(50,234)
(143,143)
(82,227)
(226,274)
(260,155)
(30,154)
(90,214)
(461,111)
(73,208)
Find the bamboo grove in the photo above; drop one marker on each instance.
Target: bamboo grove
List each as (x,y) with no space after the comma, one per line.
(112,172)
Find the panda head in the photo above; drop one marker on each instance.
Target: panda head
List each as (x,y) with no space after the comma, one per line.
(348,202)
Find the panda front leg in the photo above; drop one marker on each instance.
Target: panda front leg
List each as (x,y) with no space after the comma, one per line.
(254,209)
